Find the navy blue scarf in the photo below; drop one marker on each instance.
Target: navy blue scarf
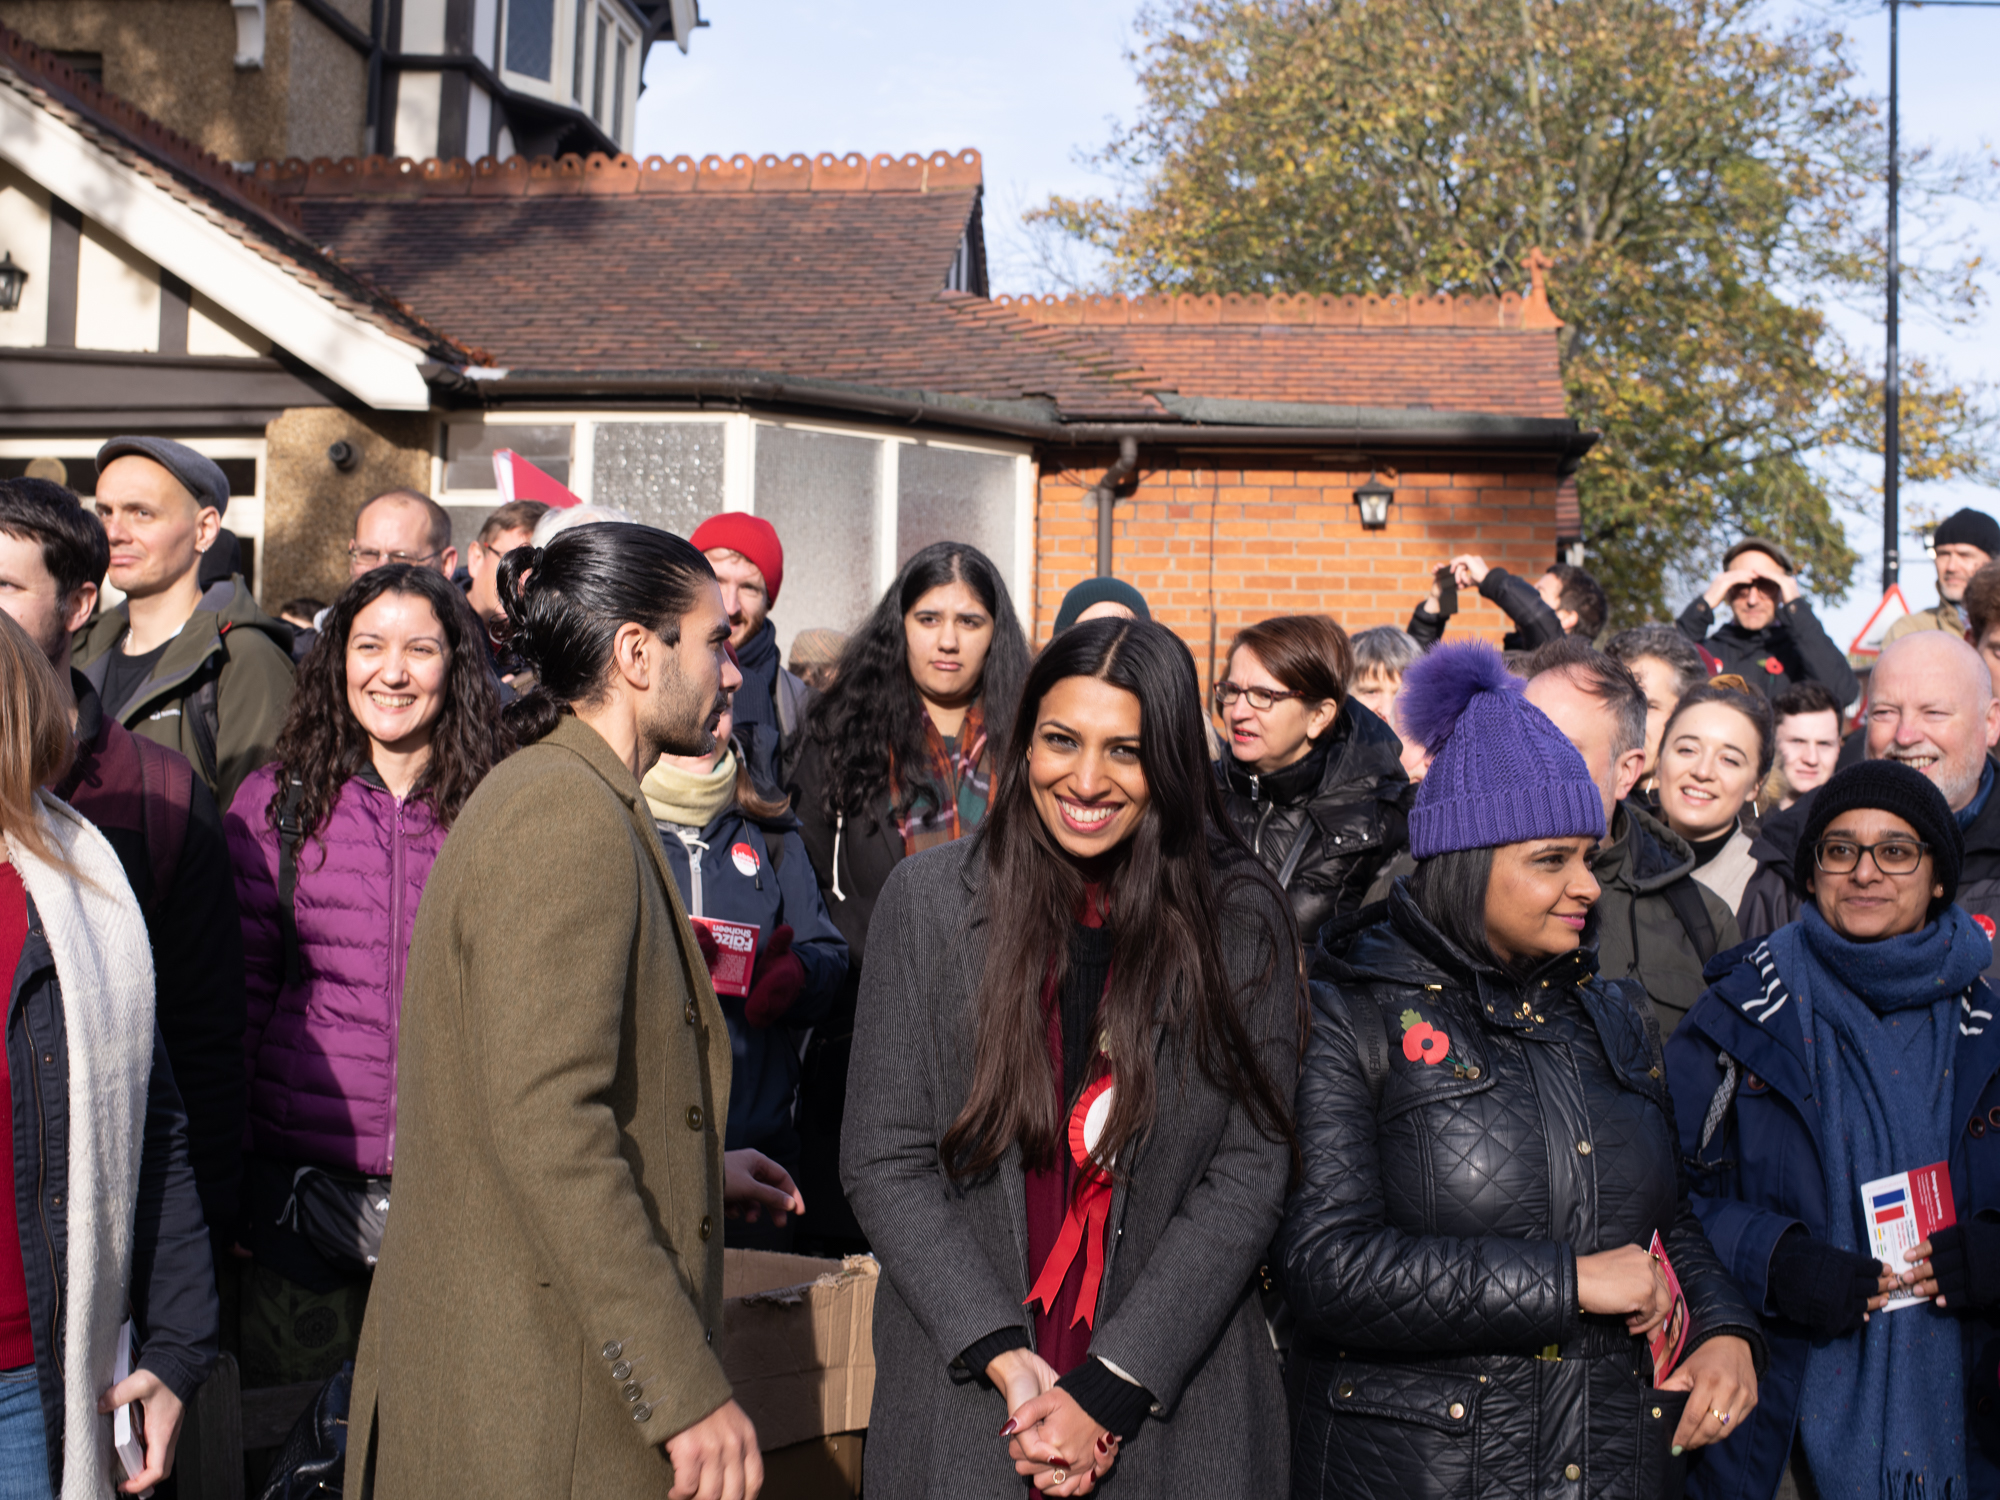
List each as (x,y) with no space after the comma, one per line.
(1882,1411)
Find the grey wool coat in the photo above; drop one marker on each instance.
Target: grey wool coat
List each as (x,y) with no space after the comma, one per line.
(550,1292)
(1188,1231)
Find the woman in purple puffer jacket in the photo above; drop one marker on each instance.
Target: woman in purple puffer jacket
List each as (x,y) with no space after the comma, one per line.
(394,722)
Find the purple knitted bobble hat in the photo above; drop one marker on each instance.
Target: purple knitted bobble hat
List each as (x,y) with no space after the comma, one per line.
(1501,772)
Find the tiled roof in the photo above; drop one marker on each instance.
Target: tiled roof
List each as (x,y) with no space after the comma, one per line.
(234,201)
(833,269)
(1465,354)
(823,270)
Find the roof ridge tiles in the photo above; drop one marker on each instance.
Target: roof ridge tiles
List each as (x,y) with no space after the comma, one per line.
(89,96)
(1510,311)
(600,173)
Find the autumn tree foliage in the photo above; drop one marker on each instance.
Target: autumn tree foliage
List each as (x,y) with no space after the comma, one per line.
(1706,182)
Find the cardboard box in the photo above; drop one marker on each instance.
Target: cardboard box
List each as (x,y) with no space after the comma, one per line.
(798,1342)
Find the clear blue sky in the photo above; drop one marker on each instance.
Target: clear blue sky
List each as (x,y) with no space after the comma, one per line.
(1035,84)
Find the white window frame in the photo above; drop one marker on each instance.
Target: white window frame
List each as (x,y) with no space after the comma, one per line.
(555,87)
(739,472)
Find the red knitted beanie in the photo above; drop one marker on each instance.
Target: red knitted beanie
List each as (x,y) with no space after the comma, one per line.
(753,536)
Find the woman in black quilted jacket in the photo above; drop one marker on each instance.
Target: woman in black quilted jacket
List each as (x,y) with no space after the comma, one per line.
(1491,1218)
(1312,780)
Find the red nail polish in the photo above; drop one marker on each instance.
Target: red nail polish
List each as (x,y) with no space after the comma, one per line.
(1104,1444)
(1008,1430)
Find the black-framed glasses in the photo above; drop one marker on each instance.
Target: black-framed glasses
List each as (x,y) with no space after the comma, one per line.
(374,557)
(1897,855)
(1227,693)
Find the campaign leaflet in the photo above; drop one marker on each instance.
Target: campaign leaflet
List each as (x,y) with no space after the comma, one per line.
(1670,1337)
(735,954)
(1901,1211)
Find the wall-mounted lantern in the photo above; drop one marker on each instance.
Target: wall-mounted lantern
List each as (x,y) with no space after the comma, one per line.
(12,279)
(1373,498)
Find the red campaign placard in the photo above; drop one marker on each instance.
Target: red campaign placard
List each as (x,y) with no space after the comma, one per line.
(1670,1337)
(735,954)
(1902,1210)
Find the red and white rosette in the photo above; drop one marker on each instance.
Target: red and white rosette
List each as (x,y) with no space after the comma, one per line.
(1089,1210)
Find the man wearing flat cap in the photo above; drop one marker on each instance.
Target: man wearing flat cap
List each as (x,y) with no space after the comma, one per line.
(1773,640)
(1962,545)
(206,673)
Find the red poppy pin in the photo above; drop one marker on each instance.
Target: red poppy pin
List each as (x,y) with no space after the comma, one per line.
(1425,1043)
(1775,667)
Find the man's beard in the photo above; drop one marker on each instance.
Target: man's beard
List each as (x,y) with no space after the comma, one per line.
(687,718)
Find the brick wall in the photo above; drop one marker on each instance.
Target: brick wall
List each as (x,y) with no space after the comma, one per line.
(1214,550)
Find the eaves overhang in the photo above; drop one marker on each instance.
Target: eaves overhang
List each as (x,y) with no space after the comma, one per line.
(1368,433)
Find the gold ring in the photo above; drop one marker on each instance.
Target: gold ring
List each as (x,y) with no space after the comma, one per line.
(1720,1415)
(1060,1476)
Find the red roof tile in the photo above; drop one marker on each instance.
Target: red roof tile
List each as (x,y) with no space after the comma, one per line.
(833,269)
(819,282)
(1467,354)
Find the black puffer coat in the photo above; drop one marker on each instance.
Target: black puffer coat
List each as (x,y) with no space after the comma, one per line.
(1349,801)
(1429,1254)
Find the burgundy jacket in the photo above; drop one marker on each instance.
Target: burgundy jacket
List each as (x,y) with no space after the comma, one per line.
(321,1058)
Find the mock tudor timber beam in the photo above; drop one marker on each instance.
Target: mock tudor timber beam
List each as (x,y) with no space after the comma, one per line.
(375,368)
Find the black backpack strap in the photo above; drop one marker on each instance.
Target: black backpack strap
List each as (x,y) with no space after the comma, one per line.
(291,834)
(205,720)
(1371,1042)
(1684,896)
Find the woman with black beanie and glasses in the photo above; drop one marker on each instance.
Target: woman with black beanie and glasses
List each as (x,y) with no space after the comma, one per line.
(1845,1050)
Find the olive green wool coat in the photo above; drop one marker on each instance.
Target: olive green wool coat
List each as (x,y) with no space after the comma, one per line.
(550,1289)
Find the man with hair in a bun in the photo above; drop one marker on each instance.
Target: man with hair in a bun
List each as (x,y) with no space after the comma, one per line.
(545,1317)
(206,673)
(1963,543)
(749,563)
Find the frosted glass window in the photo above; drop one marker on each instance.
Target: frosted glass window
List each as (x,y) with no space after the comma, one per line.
(469,448)
(818,489)
(531,37)
(667,474)
(949,495)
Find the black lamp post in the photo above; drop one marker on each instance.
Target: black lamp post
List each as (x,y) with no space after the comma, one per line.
(12,279)
(1373,498)
(1892,375)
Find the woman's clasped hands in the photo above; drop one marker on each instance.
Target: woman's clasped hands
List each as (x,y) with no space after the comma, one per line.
(1054,1441)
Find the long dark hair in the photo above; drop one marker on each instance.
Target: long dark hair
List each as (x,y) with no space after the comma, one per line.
(565,603)
(1450,890)
(323,744)
(1176,874)
(873,712)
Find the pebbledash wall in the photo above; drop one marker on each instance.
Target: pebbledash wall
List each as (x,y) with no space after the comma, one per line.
(1214,549)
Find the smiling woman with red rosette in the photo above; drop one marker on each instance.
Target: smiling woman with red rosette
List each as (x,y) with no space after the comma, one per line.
(1492,1221)
(1069,1127)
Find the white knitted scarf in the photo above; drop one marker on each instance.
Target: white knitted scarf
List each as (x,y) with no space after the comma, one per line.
(104,966)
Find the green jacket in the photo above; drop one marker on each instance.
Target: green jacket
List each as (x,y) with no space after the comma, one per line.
(219,692)
(1639,933)
(545,1313)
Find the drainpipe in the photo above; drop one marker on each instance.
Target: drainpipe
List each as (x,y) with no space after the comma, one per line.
(1106,492)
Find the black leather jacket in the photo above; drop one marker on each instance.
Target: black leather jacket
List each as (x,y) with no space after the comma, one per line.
(1349,803)
(1429,1253)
